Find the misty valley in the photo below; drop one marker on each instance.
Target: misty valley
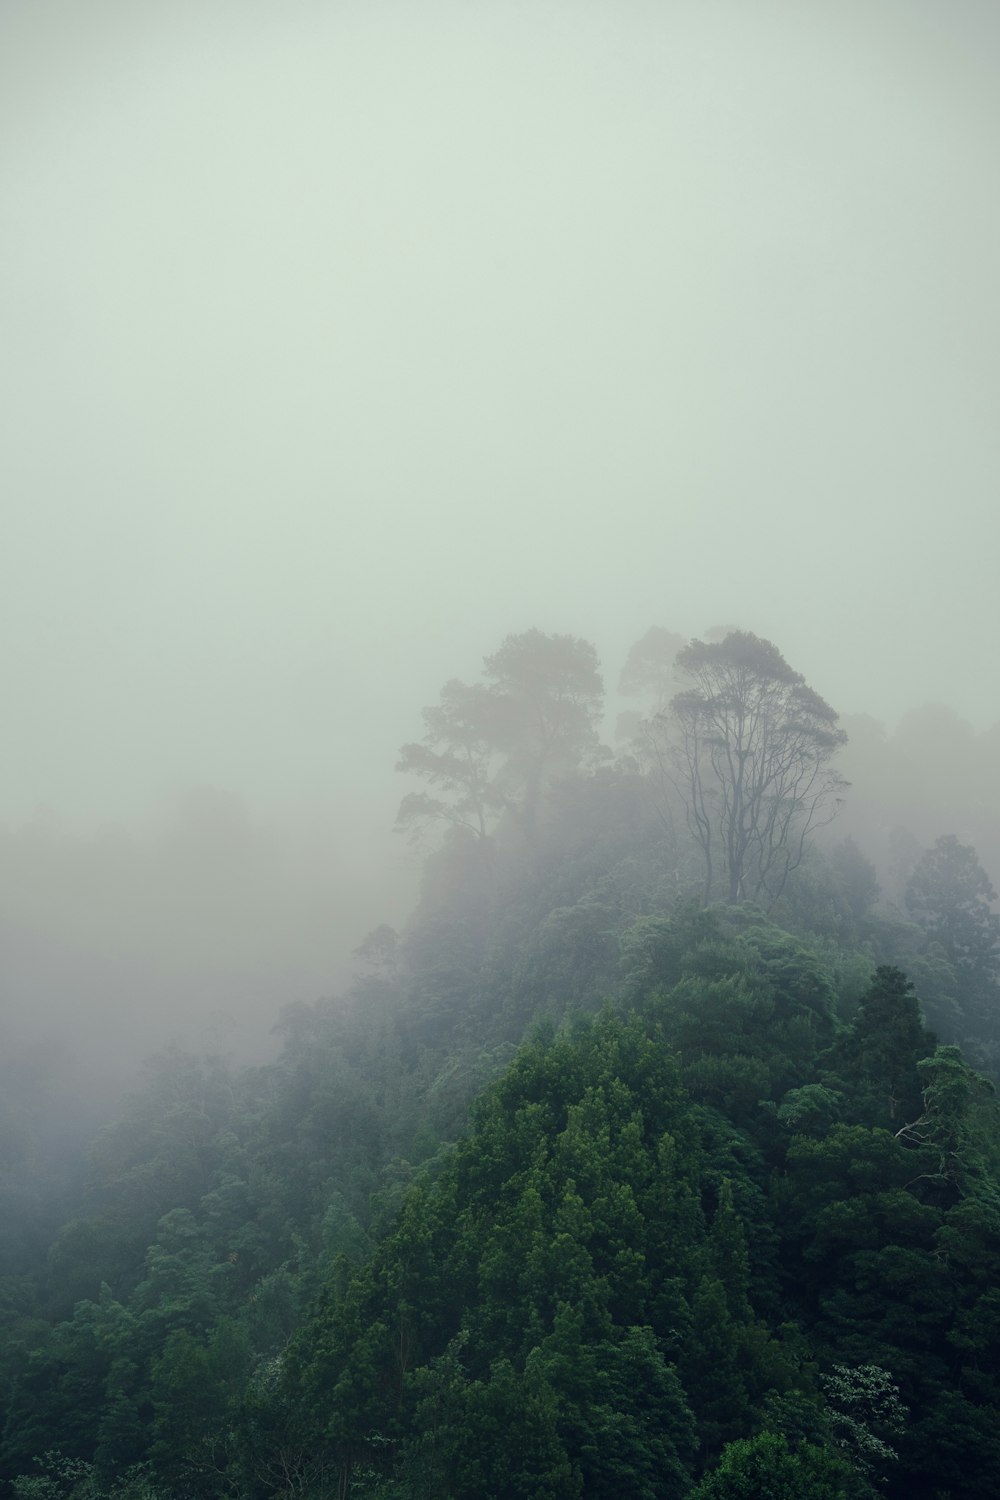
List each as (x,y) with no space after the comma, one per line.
(500,823)
(656,1154)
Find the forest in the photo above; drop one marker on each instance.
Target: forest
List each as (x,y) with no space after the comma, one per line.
(657,1156)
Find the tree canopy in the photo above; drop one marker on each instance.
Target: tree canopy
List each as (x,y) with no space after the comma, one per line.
(750,751)
(493,747)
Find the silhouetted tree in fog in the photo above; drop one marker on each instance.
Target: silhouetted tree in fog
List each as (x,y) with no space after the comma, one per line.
(949,894)
(749,750)
(494,747)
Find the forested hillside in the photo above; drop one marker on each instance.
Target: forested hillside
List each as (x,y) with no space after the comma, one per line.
(658,1156)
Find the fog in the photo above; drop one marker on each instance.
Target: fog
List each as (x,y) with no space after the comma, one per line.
(339,340)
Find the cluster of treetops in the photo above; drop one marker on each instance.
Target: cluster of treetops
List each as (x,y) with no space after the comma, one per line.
(657,1158)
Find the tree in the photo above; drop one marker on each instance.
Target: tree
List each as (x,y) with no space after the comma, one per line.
(865,1410)
(649,666)
(456,758)
(750,746)
(550,694)
(649,675)
(947,1127)
(887,1042)
(767,1468)
(950,895)
(495,747)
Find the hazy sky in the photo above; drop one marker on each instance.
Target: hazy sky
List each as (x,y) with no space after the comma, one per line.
(337,340)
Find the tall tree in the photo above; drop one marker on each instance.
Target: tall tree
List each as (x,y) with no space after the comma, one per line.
(887,1042)
(648,675)
(750,751)
(495,747)
(550,694)
(456,757)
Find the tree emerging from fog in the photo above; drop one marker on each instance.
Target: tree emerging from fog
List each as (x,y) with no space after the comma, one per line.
(951,896)
(749,748)
(492,748)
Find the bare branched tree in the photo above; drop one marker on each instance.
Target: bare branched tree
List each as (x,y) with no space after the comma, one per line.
(749,749)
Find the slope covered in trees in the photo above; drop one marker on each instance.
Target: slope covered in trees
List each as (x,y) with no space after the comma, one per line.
(587,1188)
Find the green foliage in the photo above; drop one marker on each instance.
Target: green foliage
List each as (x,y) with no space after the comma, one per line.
(887,1042)
(722,1219)
(196,1391)
(949,1127)
(75,1479)
(865,1412)
(950,895)
(520,1281)
(813,1107)
(767,1468)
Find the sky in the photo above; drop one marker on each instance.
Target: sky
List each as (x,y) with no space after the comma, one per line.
(338,340)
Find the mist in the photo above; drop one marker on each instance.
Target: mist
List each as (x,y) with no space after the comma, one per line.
(339,341)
